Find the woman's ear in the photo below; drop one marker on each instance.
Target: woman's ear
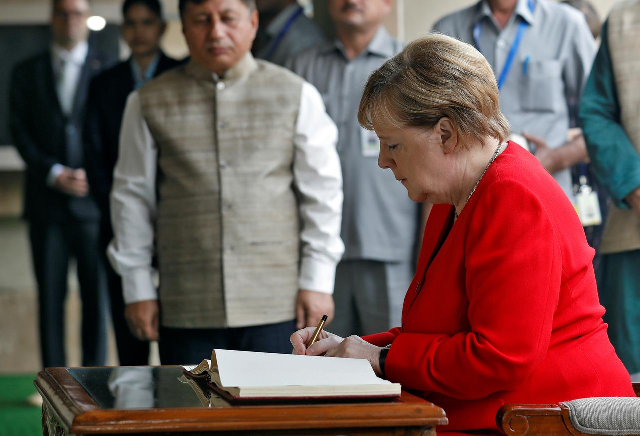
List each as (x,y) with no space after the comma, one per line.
(446,133)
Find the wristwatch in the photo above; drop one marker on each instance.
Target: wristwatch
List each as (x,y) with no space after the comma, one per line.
(383,356)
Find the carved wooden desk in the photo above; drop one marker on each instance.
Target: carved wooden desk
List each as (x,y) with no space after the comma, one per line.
(157,400)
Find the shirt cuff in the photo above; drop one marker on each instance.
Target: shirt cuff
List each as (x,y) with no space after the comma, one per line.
(54,172)
(317,276)
(137,285)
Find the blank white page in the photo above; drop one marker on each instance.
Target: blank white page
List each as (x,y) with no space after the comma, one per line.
(246,368)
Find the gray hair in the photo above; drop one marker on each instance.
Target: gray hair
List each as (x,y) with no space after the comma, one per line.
(433,77)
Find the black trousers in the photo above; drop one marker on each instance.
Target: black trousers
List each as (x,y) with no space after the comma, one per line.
(52,245)
(131,350)
(180,346)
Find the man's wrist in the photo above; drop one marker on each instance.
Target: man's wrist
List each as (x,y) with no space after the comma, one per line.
(633,198)
(557,159)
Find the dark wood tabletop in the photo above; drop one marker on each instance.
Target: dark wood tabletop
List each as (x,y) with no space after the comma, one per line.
(157,400)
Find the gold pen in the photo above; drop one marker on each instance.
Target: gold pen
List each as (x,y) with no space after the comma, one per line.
(316,333)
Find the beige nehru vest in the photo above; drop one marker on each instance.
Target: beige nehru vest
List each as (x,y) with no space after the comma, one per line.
(622,229)
(227,224)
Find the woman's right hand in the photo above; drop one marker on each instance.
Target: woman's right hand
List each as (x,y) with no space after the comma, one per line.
(324,343)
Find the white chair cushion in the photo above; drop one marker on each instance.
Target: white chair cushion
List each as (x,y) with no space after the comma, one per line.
(605,415)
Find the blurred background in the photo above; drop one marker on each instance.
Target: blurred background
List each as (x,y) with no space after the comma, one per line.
(23,33)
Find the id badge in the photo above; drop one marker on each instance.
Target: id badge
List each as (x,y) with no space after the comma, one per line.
(370,143)
(588,207)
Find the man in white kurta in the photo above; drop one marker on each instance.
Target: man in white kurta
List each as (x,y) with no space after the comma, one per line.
(228,171)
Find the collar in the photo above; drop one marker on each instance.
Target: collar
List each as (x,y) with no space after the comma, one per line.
(483,10)
(523,11)
(243,68)
(382,44)
(147,74)
(276,25)
(77,54)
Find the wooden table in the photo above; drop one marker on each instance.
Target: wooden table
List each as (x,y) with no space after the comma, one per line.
(156,400)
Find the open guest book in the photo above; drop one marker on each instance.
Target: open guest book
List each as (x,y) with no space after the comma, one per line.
(251,376)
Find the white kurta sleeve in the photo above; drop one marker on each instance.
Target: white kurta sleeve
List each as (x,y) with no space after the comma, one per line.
(318,178)
(133,206)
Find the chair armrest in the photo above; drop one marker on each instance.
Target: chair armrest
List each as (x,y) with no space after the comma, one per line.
(533,419)
(601,416)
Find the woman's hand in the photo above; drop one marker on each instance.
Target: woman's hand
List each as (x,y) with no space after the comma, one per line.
(325,342)
(357,348)
(334,346)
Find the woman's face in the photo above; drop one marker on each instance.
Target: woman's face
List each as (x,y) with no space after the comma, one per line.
(418,161)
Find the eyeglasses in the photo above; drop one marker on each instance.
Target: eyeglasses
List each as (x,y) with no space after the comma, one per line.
(68,15)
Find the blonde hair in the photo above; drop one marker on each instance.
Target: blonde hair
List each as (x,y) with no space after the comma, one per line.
(433,77)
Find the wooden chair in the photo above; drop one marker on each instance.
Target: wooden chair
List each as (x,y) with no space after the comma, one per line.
(568,418)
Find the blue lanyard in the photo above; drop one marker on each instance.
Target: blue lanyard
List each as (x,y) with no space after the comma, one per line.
(582,169)
(477,31)
(276,42)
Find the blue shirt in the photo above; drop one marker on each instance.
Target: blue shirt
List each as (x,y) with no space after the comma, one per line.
(542,90)
(284,42)
(379,221)
(141,79)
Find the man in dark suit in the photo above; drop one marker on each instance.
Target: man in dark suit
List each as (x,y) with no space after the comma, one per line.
(48,94)
(142,30)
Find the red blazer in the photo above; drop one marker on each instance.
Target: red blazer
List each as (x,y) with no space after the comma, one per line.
(504,306)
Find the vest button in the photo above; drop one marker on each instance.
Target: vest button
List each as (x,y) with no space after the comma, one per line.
(220,86)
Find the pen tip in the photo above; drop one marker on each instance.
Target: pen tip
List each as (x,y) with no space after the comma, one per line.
(324,317)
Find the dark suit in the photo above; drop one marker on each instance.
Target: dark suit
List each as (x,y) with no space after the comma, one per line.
(108,94)
(59,225)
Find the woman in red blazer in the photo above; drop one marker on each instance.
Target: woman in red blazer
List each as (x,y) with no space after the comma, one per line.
(504,306)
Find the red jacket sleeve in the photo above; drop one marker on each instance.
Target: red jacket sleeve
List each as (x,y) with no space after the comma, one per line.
(383,339)
(513,276)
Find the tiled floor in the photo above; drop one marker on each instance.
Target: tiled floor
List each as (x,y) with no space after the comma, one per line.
(18,309)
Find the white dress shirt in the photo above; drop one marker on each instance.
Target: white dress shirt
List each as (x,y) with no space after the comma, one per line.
(67,68)
(316,174)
